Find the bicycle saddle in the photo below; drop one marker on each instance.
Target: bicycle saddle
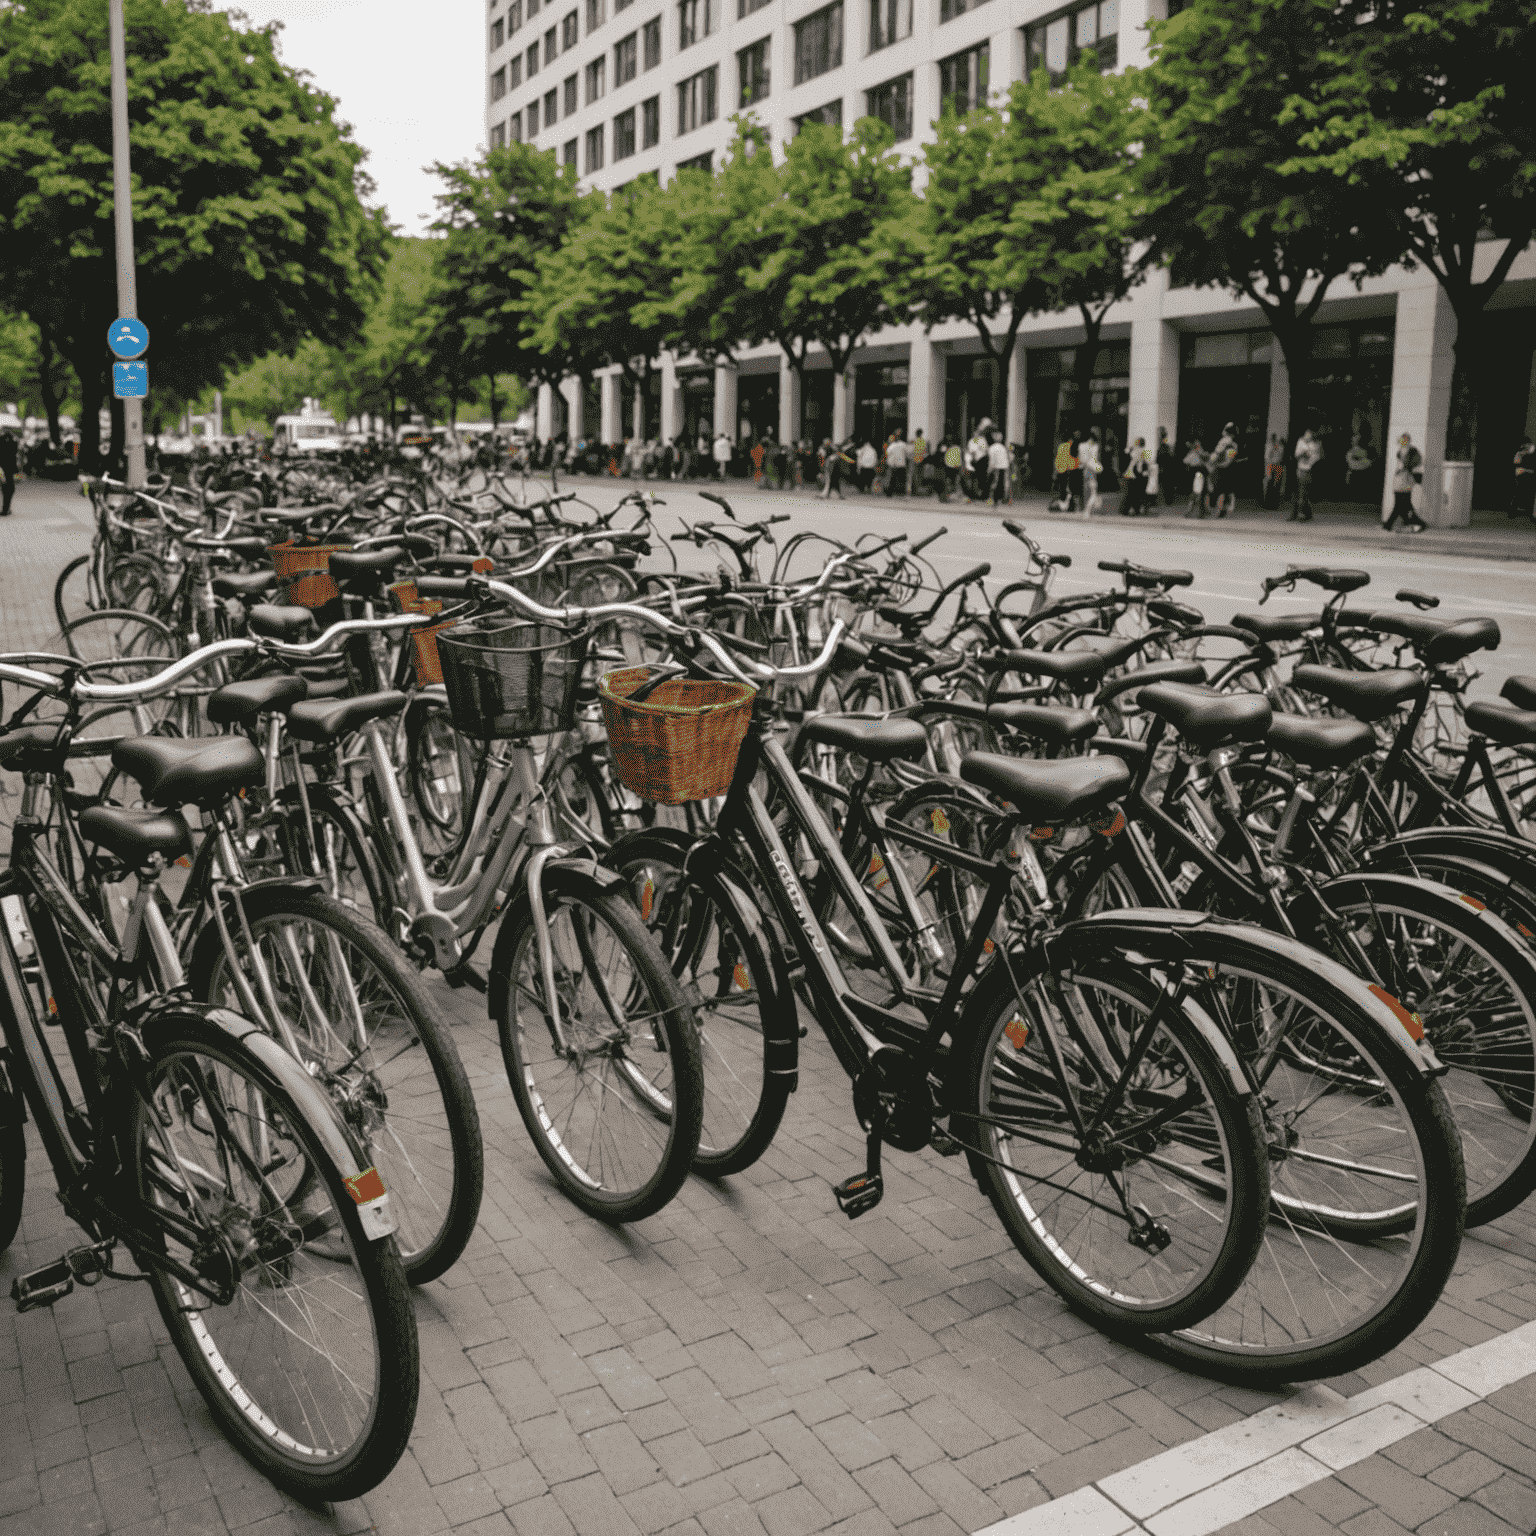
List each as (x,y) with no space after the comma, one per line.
(1154,672)
(1417,627)
(30,749)
(878,741)
(1048,793)
(1520,691)
(1320,743)
(1080,670)
(135,836)
(361,571)
(1056,727)
(1366,695)
(249,546)
(1205,719)
(1461,639)
(329,680)
(280,622)
(1167,611)
(1502,723)
(1277,626)
(172,772)
(243,583)
(236,703)
(328,719)
(1332,578)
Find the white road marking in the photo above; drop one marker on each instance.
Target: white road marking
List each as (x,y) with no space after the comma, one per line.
(1220,1478)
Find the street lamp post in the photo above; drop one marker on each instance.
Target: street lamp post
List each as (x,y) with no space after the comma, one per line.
(122,201)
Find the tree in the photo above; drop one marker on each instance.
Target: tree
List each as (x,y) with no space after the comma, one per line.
(1427,120)
(277,385)
(1232,209)
(248,194)
(30,371)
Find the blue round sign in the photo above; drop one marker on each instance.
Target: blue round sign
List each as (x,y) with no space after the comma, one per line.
(127,337)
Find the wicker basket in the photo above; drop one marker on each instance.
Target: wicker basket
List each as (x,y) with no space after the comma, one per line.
(429,664)
(681,743)
(507,680)
(304,572)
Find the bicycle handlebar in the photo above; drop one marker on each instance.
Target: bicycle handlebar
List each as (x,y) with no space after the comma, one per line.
(923,544)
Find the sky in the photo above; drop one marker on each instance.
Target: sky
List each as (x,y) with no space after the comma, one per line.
(407,77)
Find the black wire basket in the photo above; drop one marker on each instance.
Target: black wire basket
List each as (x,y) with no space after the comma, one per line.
(507,679)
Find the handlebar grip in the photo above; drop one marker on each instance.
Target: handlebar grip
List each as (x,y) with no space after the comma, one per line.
(1420,600)
(1115,567)
(778,517)
(975,573)
(923,544)
(1013,526)
(682,538)
(1062,560)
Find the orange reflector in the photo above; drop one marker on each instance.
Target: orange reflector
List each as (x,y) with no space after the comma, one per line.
(365,1186)
(938,820)
(482,565)
(1524,932)
(1111,826)
(1410,1021)
(1042,834)
(987,946)
(1474,903)
(53,1007)
(740,977)
(1017,1032)
(647,900)
(876,864)
(184,862)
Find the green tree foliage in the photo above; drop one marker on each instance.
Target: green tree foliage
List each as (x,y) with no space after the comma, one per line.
(31,372)
(249,217)
(1232,207)
(1426,116)
(276,385)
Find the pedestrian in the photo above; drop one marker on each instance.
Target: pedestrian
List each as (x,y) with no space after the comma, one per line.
(896,482)
(868,460)
(1136,469)
(1223,468)
(976,461)
(1066,460)
(919,463)
(1309,453)
(722,453)
(1523,501)
(701,458)
(1194,462)
(837,462)
(1090,466)
(809,466)
(1274,472)
(1357,465)
(781,469)
(1409,473)
(757,455)
(9,450)
(997,471)
(1163,459)
(952,468)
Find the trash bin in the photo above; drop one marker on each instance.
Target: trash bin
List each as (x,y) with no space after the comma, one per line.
(1455,508)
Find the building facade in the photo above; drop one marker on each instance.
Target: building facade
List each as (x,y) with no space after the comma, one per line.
(624,88)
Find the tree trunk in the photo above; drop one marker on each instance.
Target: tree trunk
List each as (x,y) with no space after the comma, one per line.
(91,376)
(1086,357)
(45,385)
(1296,344)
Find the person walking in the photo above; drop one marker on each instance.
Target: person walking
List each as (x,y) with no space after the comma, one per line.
(1309,453)
(1163,459)
(997,471)
(1091,466)
(757,455)
(1065,463)
(1357,465)
(976,461)
(919,463)
(867,462)
(1136,470)
(1408,473)
(837,462)
(951,468)
(9,451)
(896,482)
(1274,472)
(1523,498)
(1224,462)
(722,453)
(1195,463)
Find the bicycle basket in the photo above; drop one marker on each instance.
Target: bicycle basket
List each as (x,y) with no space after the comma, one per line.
(507,679)
(304,573)
(679,744)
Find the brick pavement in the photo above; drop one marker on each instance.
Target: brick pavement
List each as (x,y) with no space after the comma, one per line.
(746,1363)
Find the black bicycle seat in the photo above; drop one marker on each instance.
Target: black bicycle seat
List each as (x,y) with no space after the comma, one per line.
(1520,691)
(30,749)
(1206,719)
(1462,639)
(1417,627)
(280,622)
(1321,743)
(329,719)
(1057,727)
(1331,578)
(1048,793)
(172,772)
(877,741)
(236,703)
(1167,611)
(1366,695)
(1154,672)
(136,836)
(1502,723)
(244,584)
(1080,670)
(1276,626)
(361,571)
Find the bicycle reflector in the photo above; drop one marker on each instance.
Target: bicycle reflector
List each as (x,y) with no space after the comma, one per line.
(1412,1022)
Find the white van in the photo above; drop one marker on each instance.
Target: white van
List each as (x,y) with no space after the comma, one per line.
(313,432)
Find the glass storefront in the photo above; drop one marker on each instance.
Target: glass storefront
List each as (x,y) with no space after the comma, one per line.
(967,394)
(816,405)
(757,407)
(1053,411)
(697,387)
(879,402)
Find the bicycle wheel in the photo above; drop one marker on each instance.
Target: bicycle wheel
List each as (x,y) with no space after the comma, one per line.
(721,957)
(440,772)
(298,1329)
(611,1092)
(368,1033)
(1150,1219)
(77,590)
(13,1170)
(332,846)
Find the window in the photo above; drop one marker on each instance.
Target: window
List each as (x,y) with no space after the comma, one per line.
(621,5)
(624,135)
(1056,43)
(568,32)
(963,80)
(551,108)
(594,149)
(514,16)
(597,75)
(696,19)
(568,153)
(533,120)
(650,123)
(498,34)
(704,162)
(752,68)
(533,60)
(569,89)
(597,14)
(745,8)
(498,135)
(949,9)
(696,102)
(830,115)
(892,104)
(515,73)
(533,9)
(819,42)
(551,45)
(889,22)
(626,59)
(515,128)
(498,85)
(651,33)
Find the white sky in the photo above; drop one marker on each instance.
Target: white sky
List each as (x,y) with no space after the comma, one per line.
(407,77)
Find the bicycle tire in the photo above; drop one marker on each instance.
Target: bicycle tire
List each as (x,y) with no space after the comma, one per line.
(435,767)
(747,1045)
(249,1357)
(1201,1179)
(65,605)
(336,851)
(640,1159)
(13,1170)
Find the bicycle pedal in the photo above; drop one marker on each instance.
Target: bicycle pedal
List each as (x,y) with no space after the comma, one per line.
(945,1144)
(858,1194)
(463,976)
(53,1282)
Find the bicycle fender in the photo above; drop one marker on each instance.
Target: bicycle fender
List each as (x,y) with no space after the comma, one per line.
(1512,856)
(288,882)
(272,1062)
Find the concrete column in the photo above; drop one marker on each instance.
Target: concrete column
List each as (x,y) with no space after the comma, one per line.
(842,404)
(1154,364)
(1423,357)
(544,419)
(1017,407)
(611,429)
(725,400)
(925,389)
(575,405)
(671,401)
(1279,394)
(637,416)
(1134,15)
(789,402)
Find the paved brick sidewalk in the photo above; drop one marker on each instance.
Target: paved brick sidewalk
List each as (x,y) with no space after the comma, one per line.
(746,1363)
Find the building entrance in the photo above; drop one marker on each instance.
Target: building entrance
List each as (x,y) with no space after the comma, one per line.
(880,402)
